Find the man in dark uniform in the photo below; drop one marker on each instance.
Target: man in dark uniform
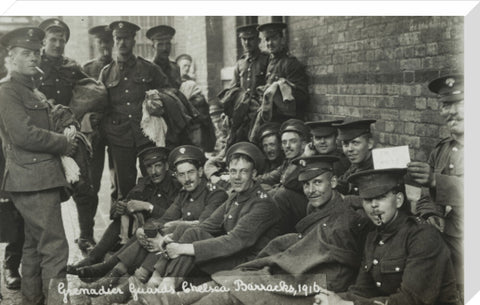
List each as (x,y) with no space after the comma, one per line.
(269,141)
(324,142)
(34,175)
(57,83)
(357,143)
(405,260)
(103,40)
(161,37)
(151,197)
(127,79)
(443,172)
(286,70)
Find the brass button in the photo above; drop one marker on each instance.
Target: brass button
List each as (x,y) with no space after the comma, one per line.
(381,243)
(375,262)
(300,236)
(129,116)
(188,213)
(58,91)
(455,149)
(379,284)
(159,195)
(126,90)
(397,269)
(57,80)
(230,216)
(128,103)
(34,159)
(126,78)
(451,166)
(191,199)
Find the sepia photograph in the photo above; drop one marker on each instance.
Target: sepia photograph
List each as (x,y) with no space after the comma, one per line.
(232,159)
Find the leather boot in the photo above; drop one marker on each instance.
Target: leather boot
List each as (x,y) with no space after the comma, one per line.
(12,278)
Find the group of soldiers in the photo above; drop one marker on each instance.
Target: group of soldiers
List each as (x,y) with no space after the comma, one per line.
(280,205)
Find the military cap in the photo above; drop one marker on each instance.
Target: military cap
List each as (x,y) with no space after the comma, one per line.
(272,28)
(101,31)
(152,155)
(295,125)
(160,32)
(248,149)
(313,166)
(352,128)
(215,109)
(268,129)
(323,128)
(448,87)
(183,56)
(376,182)
(123,27)
(186,152)
(247,31)
(55,23)
(28,38)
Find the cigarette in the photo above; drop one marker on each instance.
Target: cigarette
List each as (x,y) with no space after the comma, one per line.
(39,70)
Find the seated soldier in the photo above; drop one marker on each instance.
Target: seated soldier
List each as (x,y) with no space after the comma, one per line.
(268,138)
(328,244)
(151,197)
(324,142)
(357,144)
(405,260)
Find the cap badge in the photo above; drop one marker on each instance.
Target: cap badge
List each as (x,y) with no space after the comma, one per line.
(182,150)
(302,163)
(30,32)
(450,81)
(56,22)
(120,25)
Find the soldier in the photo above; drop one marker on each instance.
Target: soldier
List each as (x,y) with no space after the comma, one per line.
(443,172)
(357,143)
(233,234)
(127,78)
(103,40)
(34,174)
(285,70)
(324,142)
(405,260)
(269,140)
(151,197)
(161,37)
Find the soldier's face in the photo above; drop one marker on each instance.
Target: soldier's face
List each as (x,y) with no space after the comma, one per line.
(104,46)
(184,65)
(162,47)
(325,144)
(157,171)
(189,176)
(452,113)
(24,61)
(271,147)
(358,149)
(250,44)
(292,144)
(274,43)
(124,43)
(319,190)
(383,209)
(241,174)
(54,43)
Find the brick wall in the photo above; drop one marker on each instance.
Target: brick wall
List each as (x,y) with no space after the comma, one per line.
(378,67)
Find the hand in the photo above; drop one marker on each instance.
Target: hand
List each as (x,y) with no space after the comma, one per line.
(120,207)
(421,173)
(168,238)
(171,223)
(174,250)
(437,221)
(327,297)
(71,148)
(155,244)
(309,150)
(137,205)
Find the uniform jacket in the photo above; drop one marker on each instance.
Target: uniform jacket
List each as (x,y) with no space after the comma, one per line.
(250,71)
(160,195)
(346,188)
(93,67)
(60,75)
(446,160)
(406,262)
(126,84)
(172,71)
(197,205)
(32,149)
(285,175)
(272,165)
(242,225)
(284,65)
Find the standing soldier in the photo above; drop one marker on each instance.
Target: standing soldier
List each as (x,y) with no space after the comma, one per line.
(57,83)
(34,175)
(286,72)
(127,78)
(104,43)
(443,172)
(161,37)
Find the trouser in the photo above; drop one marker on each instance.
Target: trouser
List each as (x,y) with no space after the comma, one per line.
(97,164)
(13,250)
(109,241)
(125,165)
(292,206)
(45,251)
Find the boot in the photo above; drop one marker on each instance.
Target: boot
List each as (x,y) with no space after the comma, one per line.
(12,278)
(91,273)
(73,269)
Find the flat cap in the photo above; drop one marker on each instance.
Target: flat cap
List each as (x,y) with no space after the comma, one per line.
(272,28)
(313,166)
(352,128)
(247,31)
(323,128)
(250,150)
(160,32)
(268,129)
(55,23)
(448,87)
(152,155)
(376,182)
(295,125)
(123,28)
(28,38)
(101,31)
(186,152)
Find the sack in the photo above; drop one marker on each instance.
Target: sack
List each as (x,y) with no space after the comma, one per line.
(89,95)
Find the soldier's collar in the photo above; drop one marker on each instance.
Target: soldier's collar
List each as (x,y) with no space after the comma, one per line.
(23,79)
(365,164)
(387,231)
(53,60)
(130,61)
(282,53)
(246,195)
(200,188)
(253,55)
(325,208)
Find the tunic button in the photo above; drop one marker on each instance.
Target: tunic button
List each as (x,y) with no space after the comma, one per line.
(126,78)
(188,213)
(455,149)
(57,80)
(58,91)
(248,89)
(128,103)
(159,195)
(41,77)
(248,78)
(324,225)
(375,262)
(378,284)
(355,189)
(126,90)
(249,69)
(43,84)
(129,116)
(397,269)
(381,243)
(300,236)
(191,199)
(236,203)
(230,216)
(34,159)
(36,106)
(366,267)
(451,166)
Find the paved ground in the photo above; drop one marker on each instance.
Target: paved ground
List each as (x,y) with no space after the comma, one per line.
(70,221)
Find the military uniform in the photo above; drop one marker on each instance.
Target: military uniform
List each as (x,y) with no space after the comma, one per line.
(171,70)
(249,72)
(93,67)
(33,173)
(343,186)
